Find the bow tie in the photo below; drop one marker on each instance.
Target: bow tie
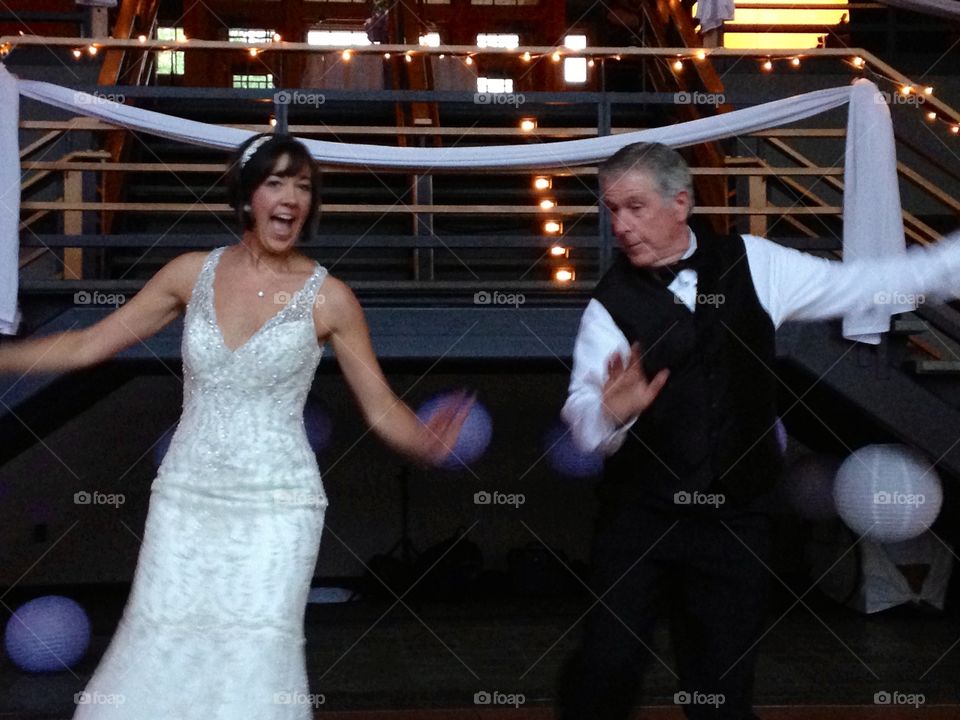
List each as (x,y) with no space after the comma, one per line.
(668,273)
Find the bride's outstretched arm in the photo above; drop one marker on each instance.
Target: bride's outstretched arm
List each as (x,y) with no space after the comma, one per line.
(340,320)
(159,302)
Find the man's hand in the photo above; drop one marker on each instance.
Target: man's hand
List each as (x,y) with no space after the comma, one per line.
(627,392)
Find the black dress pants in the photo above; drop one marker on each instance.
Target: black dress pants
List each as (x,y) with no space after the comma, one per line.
(709,563)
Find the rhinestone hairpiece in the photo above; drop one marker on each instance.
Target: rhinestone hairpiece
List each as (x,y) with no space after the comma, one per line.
(252,149)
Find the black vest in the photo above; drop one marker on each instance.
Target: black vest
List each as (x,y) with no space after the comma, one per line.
(711,429)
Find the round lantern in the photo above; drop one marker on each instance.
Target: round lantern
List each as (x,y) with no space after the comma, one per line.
(47,634)
(475,434)
(888,493)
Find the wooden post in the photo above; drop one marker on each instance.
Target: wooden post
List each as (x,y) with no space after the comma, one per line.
(758,201)
(72,224)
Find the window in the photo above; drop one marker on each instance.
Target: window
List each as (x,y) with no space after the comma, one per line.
(170,62)
(494,85)
(497,40)
(250,35)
(253,82)
(575,68)
(338,38)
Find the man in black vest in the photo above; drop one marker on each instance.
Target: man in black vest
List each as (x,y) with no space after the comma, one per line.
(673,380)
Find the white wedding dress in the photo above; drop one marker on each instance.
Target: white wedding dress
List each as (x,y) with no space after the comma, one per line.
(213,628)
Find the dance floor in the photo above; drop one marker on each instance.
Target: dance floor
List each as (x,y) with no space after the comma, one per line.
(374,660)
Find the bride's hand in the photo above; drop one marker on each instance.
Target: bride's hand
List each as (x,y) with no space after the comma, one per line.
(444,425)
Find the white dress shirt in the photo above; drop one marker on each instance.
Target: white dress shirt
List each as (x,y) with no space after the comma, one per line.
(791,285)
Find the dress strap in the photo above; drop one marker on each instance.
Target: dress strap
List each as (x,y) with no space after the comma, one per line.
(311,290)
(203,287)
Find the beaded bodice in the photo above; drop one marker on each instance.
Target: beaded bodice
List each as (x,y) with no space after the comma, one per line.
(243,409)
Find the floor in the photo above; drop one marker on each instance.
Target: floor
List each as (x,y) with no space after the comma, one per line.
(491,658)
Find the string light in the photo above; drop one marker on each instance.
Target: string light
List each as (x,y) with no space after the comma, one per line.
(528,124)
(858,62)
(560,251)
(552,227)
(277,37)
(556,56)
(253,52)
(273,122)
(795,62)
(525,57)
(468,60)
(907,90)
(767,65)
(590,62)
(678,65)
(564,275)
(542,182)
(701,55)
(408,56)
(92,50)
(77,53)
(142,38)
(547,204)
(346,55)
(386,56)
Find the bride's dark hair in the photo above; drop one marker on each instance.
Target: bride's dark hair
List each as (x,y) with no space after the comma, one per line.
(256,159)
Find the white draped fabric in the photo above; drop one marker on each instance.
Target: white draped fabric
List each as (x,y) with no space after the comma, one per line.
(9,204)
(713,13)
(870,172)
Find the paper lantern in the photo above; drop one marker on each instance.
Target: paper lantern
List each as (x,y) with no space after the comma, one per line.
(780,430)
(162,445)
(808,484)
(47,634)
(566,458)
(888,493)
(318,426)
(474,435)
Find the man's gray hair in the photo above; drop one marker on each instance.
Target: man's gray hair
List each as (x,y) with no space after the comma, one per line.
(661,163)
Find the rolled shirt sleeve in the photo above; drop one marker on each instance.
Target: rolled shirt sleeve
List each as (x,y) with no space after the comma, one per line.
(790,285)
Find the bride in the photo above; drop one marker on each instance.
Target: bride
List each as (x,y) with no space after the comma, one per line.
(213,627)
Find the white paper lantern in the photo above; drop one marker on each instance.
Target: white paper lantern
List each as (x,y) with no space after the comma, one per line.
(888,493)
(808,484)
